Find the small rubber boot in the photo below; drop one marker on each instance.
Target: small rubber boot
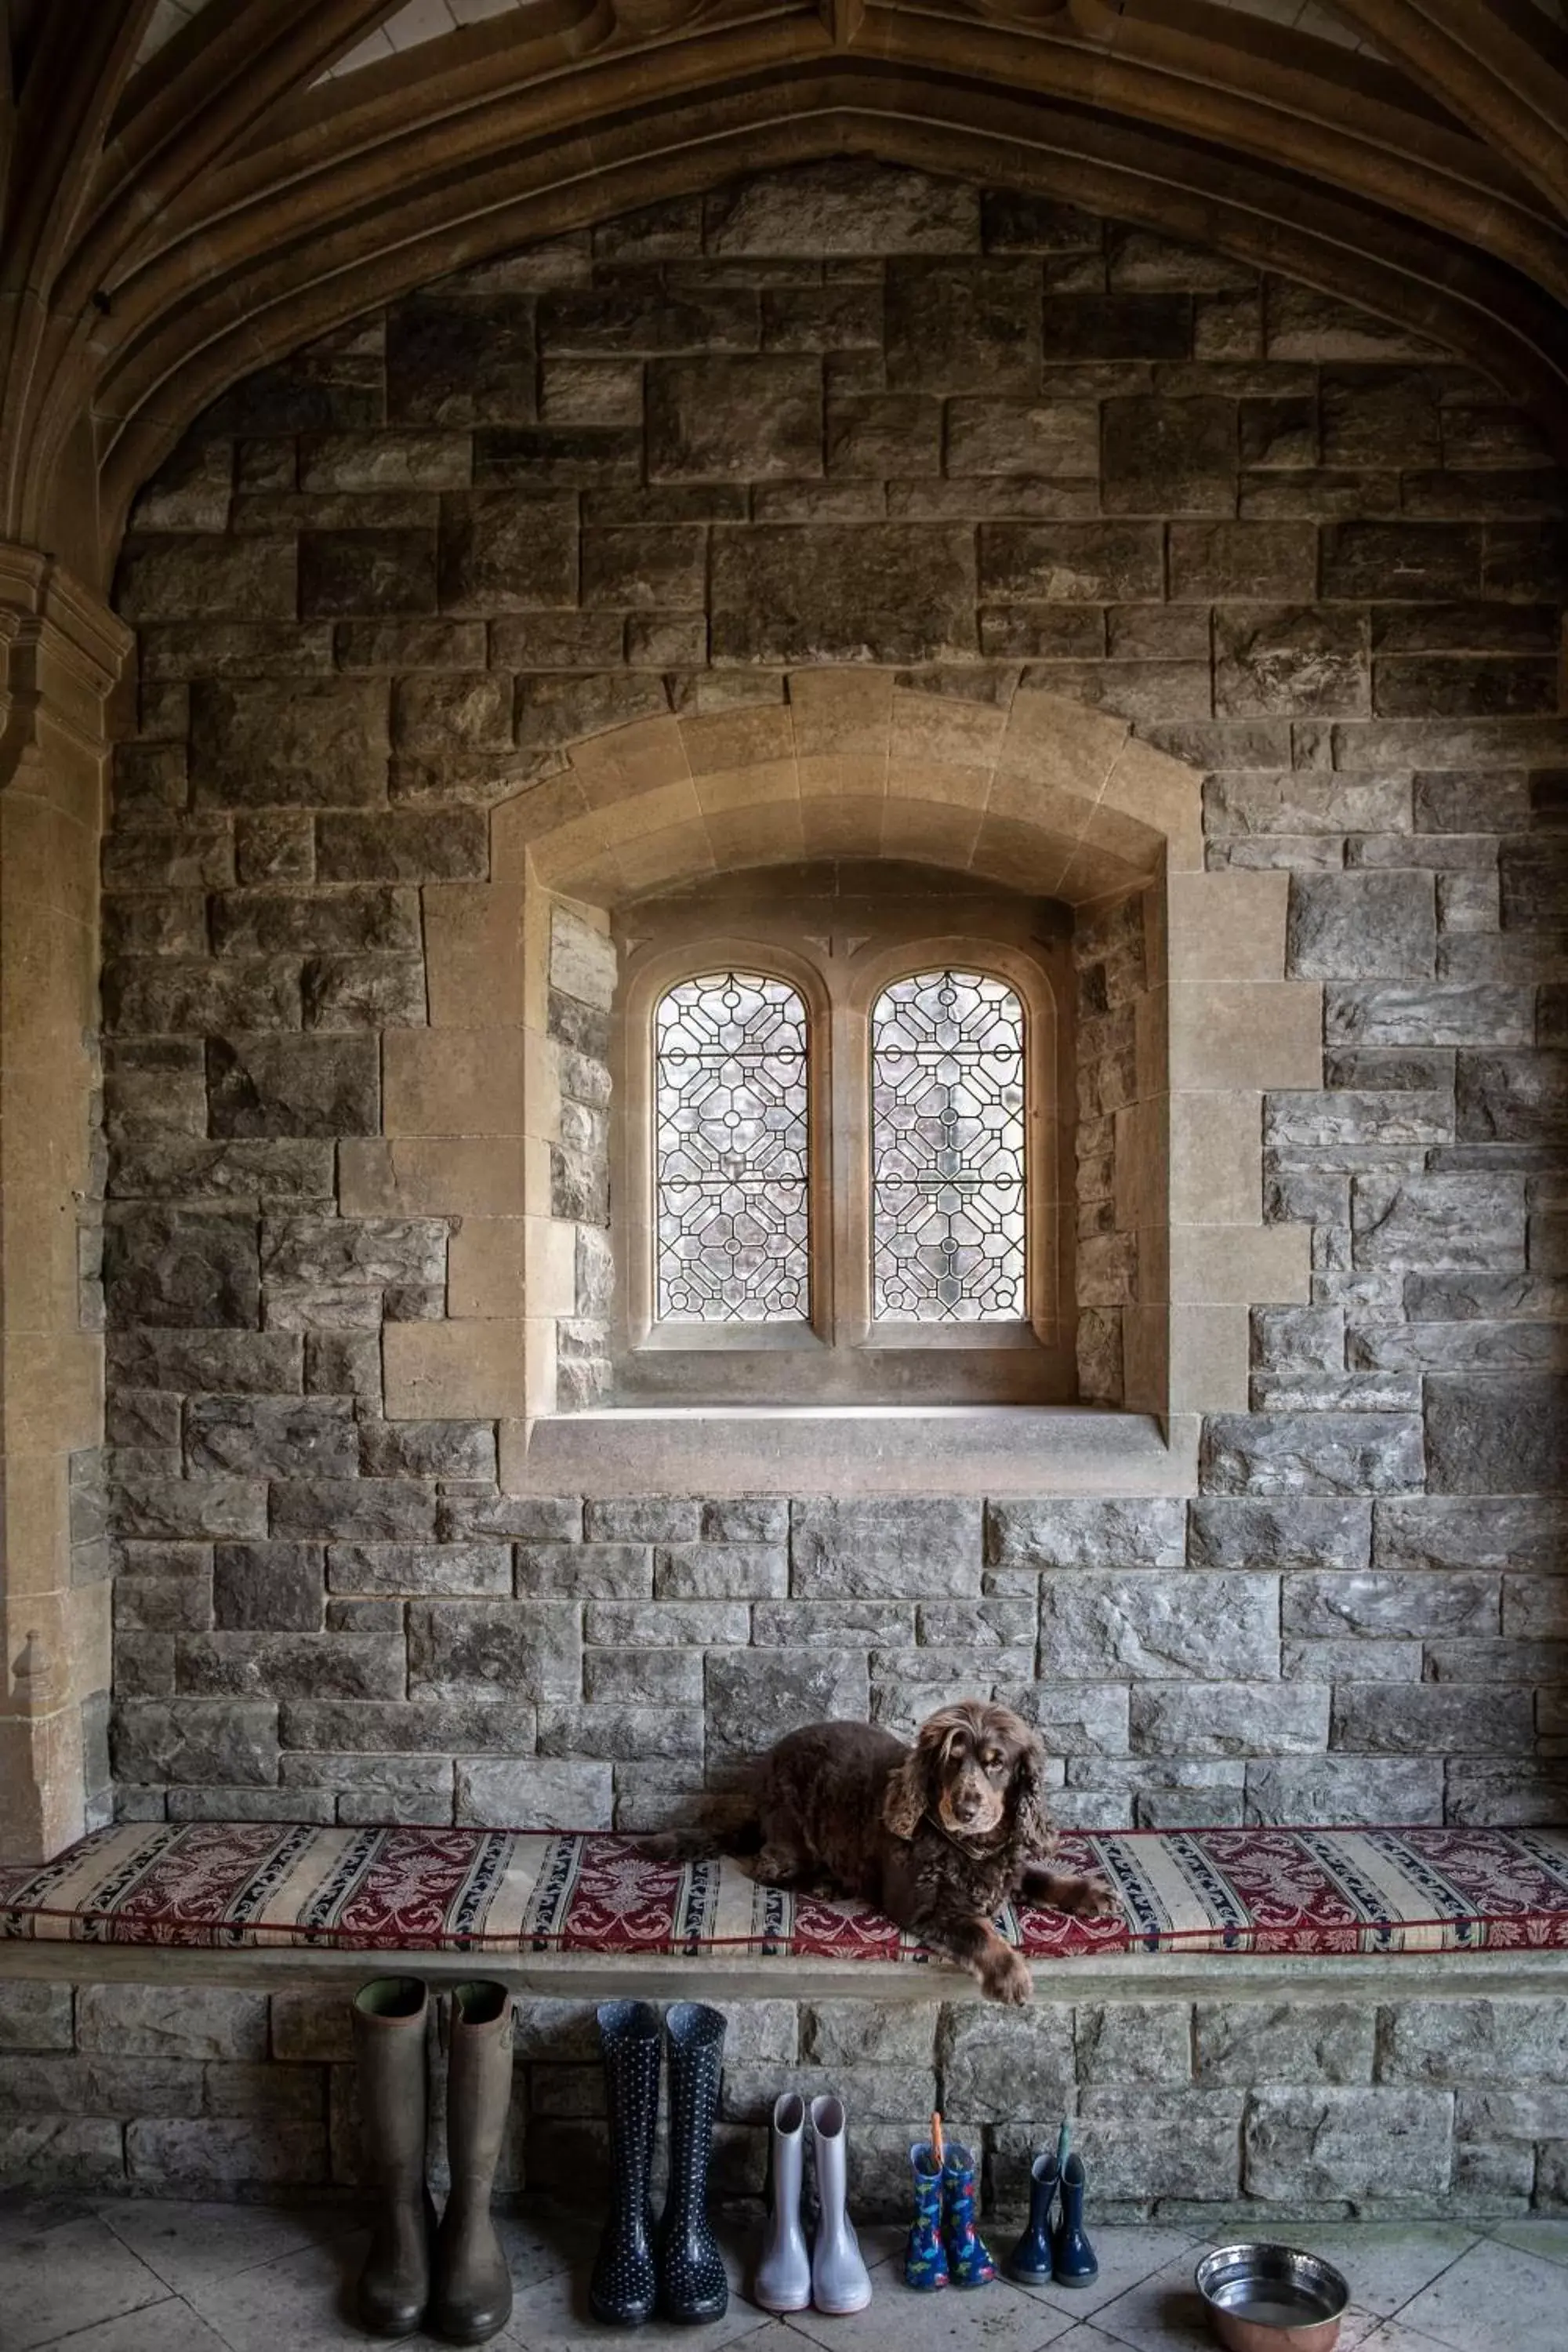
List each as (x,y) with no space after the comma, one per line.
(1031,2261)
(969,2262)
(622,2290)
(783,2274)
(390,2020)
(692,2284)
(1073,2260)
(839,2282)
(925,2262)
(471,2297)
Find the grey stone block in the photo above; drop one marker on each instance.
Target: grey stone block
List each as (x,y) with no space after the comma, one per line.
(1348,1789)
(1304,1531)
(1360,926)
(279,1436)
(984,2052)
(189,1508)
(475,1569)
(372,1510)
(1425,1223)
(206,2022)
(844,205)
(1161,2143)
(1134,2041)
(526,1794)
(1075,1719)
(1498,1433)
(1228,1718)
(1431,1719)
(875,1550)
(755,1696)
(1084,1535)
(1333,2141)
(1290,2043)
(52,2153)
(1500,2039)
(300,1250)
(190,2157)
(713,1571)
(427,1726)
(1378,1602)
(621,1735)
(867,2032)
(265,1588)
(289,1666)
(847,592)
(531,1648)
(428,1449)
(666,1624)
(1435,1012)
(181,1268)
(1186,1626)
(36,2016)
(586,1571)
(644,1677)
(1313,1454)
(825,1625)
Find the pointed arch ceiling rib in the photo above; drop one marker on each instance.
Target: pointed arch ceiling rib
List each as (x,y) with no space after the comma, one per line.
(196,188)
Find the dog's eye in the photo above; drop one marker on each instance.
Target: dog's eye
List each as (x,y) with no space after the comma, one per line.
(991,1761)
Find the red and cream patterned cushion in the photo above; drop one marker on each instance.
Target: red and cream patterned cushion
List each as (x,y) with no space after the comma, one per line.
(238,1884)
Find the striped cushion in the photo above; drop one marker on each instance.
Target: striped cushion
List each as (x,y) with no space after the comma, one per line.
(226,1883)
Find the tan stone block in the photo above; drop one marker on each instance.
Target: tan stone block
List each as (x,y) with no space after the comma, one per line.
(50,856)
(1254,1265)
(759,737)
(1209,1357)
(1146,1356)
(944,783)
(538,1180)
(54,1391)
(1095,875)
(38,1233)
(517,825)
(840,775)
(540,1337)
(1215,1158)
(43,1118)
(497,1266)
(841,828)
(935,835)
(1151,1043)
(457,1370)
(1139,846)
(759,836)
(453,1082)
(1140,1165)
(680,853)
(37,1524)
(841,713)
(630,759)
(652,812)
(1024,856)
(550,1267)
(425,1176)
(1227,925)
(770,782)
(1246,1034)
(1052,809)
(87,1627)
(1164,794)
(473,954)
(49,977)
(574,854)
(937,727)
(40,1784)
(1060,744)
(538,907)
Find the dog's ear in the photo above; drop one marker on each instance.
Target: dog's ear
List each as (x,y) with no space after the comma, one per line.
(1032,1830)
(910,1787)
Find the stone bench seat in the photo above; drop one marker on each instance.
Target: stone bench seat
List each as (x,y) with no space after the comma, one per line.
(232,1885)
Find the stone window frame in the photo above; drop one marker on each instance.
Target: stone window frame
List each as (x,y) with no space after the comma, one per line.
(843,1357)
(1031,788)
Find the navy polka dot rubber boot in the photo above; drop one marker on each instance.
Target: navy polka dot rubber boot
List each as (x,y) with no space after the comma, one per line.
(692,2284)
(623,2288)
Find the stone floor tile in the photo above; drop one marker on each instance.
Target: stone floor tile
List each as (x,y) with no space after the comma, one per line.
(61,2276)
(303,2300)
(1385,2262)
(1544,2233)
(167,2327)
(995,2318)
(1164,2313)
(1493,2296)
(1125,2255)
(552,2311)
(1393,2335)
(188,2244)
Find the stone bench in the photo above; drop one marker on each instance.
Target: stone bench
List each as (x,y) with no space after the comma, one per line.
(1326,2023)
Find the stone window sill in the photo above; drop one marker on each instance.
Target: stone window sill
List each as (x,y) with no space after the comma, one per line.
(846,1450)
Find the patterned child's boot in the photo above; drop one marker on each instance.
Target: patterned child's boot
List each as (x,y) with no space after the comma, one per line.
(925,2264)
(969,2262)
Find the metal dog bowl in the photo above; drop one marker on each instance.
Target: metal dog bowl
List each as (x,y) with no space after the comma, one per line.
(1268,2298)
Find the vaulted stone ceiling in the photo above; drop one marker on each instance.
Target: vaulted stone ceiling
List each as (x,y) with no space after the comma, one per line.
(195,186)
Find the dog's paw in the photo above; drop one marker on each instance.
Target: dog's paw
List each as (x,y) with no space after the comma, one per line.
(1005,1976)
(1092,1900)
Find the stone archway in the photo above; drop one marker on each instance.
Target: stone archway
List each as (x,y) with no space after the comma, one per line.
(1036,790)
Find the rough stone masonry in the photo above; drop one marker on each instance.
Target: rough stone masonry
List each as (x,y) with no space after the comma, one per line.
(846,413)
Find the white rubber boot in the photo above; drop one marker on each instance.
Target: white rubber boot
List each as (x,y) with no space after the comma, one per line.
(784,2274)
(839,2284)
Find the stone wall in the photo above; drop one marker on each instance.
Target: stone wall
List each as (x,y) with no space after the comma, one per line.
(1306,2105)
(843,415)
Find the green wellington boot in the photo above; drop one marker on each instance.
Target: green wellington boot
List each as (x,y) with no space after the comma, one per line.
(472,2297)
(390,2017)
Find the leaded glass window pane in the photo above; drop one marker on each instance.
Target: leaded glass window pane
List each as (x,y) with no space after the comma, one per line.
(731,1151)
(947,1156)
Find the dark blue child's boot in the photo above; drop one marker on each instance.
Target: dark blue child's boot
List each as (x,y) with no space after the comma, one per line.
(925,2265)
(969,2262)
(1072,2256)
(1031,2259)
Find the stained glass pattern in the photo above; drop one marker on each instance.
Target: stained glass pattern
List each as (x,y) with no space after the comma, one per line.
(948,1162)
(731,1151)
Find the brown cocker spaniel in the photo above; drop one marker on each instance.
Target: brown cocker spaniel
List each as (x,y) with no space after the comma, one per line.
(939,1835)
